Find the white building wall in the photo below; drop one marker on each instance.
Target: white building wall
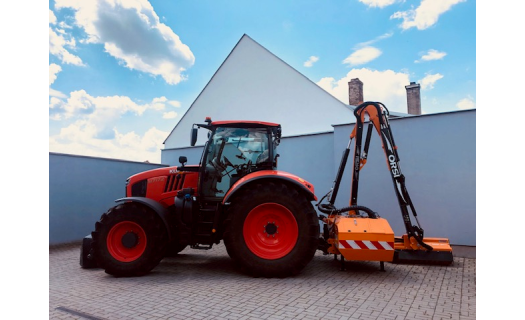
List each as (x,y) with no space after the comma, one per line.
(254,84)
(438,159)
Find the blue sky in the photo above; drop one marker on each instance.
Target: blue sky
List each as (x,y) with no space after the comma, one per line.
(122,73)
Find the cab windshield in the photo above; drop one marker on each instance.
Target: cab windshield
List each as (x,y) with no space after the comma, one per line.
(231,154)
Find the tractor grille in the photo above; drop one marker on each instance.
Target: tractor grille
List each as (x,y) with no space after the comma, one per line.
(174,182)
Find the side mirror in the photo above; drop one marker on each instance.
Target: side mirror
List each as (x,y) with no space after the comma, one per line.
(193,136)
(183,160)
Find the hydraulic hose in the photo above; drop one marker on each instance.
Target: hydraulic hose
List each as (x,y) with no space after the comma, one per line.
(330,209)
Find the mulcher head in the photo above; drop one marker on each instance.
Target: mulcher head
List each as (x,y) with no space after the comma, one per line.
(365,239)
(409,252)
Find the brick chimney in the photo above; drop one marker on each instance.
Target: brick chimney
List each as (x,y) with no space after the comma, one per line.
(355,92)
(413,98)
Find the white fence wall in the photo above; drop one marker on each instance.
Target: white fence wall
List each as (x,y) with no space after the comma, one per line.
(81,189)
(438,158)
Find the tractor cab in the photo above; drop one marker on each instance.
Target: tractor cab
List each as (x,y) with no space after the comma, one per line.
(233,150)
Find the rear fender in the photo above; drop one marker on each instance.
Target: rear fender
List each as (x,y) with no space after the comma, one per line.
(158,208)
(268,175)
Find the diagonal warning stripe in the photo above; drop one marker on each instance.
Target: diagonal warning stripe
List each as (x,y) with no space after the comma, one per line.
(366,245)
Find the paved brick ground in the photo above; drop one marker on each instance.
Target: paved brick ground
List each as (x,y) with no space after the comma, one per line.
(205,285)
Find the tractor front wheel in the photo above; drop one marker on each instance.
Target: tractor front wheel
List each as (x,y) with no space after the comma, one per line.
(129,240)
(272,230)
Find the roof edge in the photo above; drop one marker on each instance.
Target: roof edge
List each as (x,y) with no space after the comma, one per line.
(209,81)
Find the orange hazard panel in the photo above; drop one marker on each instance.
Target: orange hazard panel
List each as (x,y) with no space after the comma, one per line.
(365,239)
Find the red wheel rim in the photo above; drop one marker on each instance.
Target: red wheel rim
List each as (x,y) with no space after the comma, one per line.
(115,244)
(270,231)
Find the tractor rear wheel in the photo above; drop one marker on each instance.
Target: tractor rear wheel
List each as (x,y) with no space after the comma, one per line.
(129,240)
(272,230)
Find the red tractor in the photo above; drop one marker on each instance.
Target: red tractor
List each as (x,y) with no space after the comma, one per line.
(264,216)
(236,194)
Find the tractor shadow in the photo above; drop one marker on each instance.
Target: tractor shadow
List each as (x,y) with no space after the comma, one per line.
(190,264)
(328,263)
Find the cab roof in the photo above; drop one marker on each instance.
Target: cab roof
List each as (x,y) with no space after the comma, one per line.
(244,124)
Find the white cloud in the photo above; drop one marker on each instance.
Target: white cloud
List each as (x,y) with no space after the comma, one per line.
(52,18)
(310,62)
(364,52)
(101,112)
(56,94)
(378,3)
(54,69)
(132,32)
(57,44)
(362,56)
(385,86)
(56,105)
(160,103)
(432,55)
(80,138)
(424,16)
(169,115)
(150,142)
(93,126)
(429,80)
(174,103)
(466,103)
(164,101)
(370,42)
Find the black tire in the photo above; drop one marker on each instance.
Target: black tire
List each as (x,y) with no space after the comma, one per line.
(120,256)
(240,233)
(86,254)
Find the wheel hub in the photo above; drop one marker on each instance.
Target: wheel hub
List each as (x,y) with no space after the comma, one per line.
(270,228)
(130,239)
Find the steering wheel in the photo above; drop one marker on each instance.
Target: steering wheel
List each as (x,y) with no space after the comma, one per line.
(244,168)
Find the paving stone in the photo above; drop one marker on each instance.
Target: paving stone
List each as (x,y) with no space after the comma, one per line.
(200,284)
